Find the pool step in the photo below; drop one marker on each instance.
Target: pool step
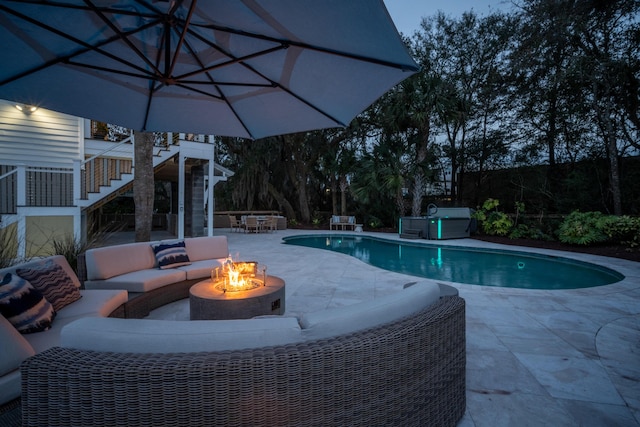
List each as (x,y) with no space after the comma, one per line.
(411,233)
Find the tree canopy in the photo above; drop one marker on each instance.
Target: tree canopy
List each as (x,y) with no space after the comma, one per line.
(552,86)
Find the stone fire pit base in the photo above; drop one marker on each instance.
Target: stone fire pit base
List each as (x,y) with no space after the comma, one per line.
(208,303)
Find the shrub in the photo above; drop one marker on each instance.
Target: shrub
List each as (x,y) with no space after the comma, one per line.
(374,222)
(69,247)
(8,247)
(317,220)
(622,229)
(491,220)
(584,228)
(524,231)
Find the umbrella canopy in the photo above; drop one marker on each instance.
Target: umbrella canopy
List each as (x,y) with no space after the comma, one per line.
(245,68)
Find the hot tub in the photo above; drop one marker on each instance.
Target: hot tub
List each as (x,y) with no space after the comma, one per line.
(439,224)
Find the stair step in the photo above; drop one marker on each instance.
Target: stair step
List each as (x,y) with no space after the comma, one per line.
(411,233)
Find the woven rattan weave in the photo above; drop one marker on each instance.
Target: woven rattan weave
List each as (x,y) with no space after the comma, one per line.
(407,373)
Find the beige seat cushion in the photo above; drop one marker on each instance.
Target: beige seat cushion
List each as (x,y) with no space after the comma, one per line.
(95,302)
(368,314)
(14,347)
(173,336)
(140,281)
(201,269)
(207,247)
(105,263)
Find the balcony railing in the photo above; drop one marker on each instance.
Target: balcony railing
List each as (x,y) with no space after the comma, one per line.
(34,187)
(56,187)
(8,189)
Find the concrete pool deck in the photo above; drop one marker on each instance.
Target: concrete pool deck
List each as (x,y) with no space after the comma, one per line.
(534,357)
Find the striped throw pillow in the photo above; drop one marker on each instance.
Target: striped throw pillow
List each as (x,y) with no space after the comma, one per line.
(23,306)
(53,282)
(170,254)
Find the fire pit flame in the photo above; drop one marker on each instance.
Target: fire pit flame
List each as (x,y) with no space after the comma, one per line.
(237,276)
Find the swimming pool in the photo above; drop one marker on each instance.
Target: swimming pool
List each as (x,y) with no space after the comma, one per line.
(487,267)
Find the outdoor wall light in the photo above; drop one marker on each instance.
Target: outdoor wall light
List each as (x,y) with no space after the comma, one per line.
(26,109)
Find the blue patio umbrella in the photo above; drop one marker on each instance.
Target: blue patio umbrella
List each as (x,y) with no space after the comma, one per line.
(244,68)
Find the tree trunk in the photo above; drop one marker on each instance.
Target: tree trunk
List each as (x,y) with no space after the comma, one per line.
(418,193)
(614,171)
(400,203)
(282,202)
(419,180)
(143,185)
(344,186)
(298,171)
(334,195)
(303,198)
(609,135)
(453,181)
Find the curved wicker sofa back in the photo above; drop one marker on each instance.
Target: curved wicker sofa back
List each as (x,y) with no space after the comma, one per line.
(134,267)
(408,372)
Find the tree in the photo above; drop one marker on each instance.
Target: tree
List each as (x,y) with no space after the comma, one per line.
(467,55)
(380,180)
(302,157)
(556,83)
(576,65)
(408,112)
(606,34)
(143,185)
(544,94)
(336,162)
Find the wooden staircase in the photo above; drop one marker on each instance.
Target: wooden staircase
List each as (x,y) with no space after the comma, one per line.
(106,178)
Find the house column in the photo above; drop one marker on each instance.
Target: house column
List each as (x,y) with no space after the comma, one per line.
(194,205)
(181,169)
(211,200)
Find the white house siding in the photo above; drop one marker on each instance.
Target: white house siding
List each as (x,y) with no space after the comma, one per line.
(41,142)
(43,138)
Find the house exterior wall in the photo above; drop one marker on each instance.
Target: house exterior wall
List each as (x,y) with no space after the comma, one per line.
(43,138)
(9,242)
(47,183)
(41,148)
(42,231)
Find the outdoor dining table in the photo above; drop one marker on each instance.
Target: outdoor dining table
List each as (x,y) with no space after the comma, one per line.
(260,220)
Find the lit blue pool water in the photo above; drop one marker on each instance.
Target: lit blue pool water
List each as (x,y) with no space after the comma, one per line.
(485,267)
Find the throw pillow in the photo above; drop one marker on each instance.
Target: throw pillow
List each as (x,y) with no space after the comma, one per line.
(53,282)
(23,306)
(170,254)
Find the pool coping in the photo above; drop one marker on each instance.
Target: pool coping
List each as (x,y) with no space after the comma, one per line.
(509,250)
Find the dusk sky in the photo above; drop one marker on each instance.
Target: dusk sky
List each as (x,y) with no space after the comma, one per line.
(407,14)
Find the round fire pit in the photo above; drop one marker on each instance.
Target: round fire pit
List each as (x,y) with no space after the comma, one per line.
(209,301)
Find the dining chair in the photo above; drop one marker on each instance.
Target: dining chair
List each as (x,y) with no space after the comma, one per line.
(251,224)
(235,223)
(271,223)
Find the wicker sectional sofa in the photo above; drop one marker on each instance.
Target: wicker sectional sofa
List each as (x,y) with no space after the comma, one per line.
(397,360)
(134,267)
(16,346)
(118,281)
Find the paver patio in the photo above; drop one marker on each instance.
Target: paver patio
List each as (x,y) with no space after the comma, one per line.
(534,357)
